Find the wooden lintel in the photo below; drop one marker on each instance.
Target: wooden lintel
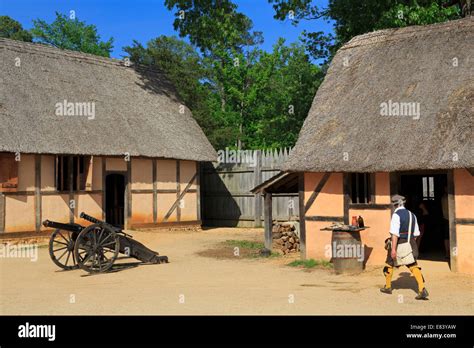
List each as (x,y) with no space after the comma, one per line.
(325,218)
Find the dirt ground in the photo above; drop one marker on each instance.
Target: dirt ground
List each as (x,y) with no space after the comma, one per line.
(196,284)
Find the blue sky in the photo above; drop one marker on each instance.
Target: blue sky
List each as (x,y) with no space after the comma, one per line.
(142,20)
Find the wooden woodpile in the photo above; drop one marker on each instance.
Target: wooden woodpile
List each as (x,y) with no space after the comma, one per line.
(285,237)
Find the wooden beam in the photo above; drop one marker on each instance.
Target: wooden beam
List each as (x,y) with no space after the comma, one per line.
(103,161)
(372,188)
(302,215)
(198,190)
(2,212)
(178,190)
(176,203)
(37,193)
(155,193)
(316,191)
(347,198)
(452,223)
(325,218)
(394,186)
(268,220)
(258,197)
(128,196)
(70,169)
(370,206)
(465,221)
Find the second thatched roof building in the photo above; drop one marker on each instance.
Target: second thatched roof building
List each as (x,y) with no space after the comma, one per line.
(394,115)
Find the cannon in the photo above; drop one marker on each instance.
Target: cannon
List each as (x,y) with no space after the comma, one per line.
(94,248)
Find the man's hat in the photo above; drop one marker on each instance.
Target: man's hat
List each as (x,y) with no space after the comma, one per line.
(397,199)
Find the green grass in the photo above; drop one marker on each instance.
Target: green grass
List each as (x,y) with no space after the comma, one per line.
(244,244)
(311,263)
(252,247)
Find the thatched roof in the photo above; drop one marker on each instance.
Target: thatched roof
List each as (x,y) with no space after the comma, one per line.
(345,130)
(136,109)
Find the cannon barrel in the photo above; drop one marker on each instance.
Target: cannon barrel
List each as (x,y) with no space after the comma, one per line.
(91,218)
(102,223)
(61,226)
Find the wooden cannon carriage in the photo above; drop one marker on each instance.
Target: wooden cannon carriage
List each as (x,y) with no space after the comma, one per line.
(94,248)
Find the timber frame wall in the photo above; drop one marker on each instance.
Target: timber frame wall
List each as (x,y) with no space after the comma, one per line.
(325,197)
(157,192)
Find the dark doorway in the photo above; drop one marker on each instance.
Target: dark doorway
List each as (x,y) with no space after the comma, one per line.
(115,199)
(426,195)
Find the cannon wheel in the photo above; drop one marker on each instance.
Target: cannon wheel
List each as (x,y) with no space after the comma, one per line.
(61,249)
(96,248)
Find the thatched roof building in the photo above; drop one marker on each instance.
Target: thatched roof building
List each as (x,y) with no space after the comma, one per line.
(136,109)
(431,67)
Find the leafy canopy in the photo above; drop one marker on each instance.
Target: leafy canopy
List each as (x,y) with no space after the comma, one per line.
(70,33)
(355,17)
(11,29)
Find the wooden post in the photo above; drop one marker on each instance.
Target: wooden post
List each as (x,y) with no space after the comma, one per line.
(198,190)
(372,181)
(302,215)
(128,196)
(178,190)
(155,197)
(268,220)
(37,193)
(452,222)
(258,197)
(393,187)
(70,168)
(103,161)
(2,212)
(347,198)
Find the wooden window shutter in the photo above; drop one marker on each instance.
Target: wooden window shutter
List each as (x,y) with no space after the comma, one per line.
(8,172)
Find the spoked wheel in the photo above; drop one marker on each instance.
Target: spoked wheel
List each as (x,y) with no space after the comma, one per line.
(61,249)
(96,248)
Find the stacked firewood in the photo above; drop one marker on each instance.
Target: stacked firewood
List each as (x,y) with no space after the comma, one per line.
(285,237)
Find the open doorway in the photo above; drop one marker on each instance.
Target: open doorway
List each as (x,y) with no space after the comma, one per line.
(115,199)
(426,196)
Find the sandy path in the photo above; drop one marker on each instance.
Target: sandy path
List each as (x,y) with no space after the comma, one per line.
(210,286)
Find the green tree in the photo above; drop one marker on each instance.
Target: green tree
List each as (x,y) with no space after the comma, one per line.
(287,81)
(70,33)
(355,17)
(256,99)
(11,29)
(213,24)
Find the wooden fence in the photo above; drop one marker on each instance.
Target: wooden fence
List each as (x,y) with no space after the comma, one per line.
(225,190)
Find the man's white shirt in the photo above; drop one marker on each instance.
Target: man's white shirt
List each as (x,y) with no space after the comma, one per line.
(395,224)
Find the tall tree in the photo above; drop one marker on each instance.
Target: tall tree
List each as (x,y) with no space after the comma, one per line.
(213,24)
(70,33)
(355,17)
(11,29)
(222,34)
